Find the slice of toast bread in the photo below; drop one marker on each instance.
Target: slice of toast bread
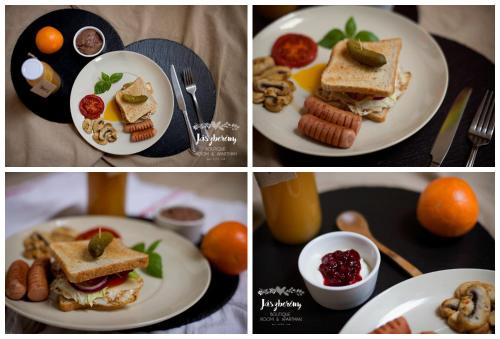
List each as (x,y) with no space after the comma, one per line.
(78,265)
(403,85)
(344,74)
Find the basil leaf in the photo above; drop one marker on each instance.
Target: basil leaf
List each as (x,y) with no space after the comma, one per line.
(350,27)
(104,76)
(153,246)
(115,77)
(140,247)
(107,85)
(101,87)
(155,267)
(331,38)
(366,36)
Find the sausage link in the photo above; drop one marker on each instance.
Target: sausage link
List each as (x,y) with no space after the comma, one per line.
(335,115)
(17,275)
(326,132)
(138,126)
(38,285)
(142,135)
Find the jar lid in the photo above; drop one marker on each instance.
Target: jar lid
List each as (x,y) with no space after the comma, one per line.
(32,69)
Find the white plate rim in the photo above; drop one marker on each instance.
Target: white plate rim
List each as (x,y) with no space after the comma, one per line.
(385,293)
(64,220)
(160,131)
(347,152)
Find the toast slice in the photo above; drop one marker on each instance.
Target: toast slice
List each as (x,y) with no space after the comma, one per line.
(134,112)
(67,305)
(78,265)
(403,85)
(344,74)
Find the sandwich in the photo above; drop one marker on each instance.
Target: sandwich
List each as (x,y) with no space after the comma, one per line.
(364,90)
(138,111)
(104,283)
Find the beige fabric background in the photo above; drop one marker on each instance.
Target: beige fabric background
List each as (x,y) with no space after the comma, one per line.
(482,183)
(218,34)
(473,26)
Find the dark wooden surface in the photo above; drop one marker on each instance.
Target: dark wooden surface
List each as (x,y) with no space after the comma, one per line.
(165,53)
(392,218)
(66,62)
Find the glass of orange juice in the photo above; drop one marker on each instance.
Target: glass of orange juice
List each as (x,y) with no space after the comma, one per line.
(107,193)
(291,204)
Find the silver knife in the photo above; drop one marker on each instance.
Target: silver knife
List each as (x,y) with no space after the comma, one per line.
(182,106)
(447,132)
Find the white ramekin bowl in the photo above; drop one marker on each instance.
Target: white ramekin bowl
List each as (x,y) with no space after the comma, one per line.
(190,229)
(98,32)
(339,297)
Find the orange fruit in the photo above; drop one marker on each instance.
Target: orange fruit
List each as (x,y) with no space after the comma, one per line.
(448,207)
(49,40)
(225,246)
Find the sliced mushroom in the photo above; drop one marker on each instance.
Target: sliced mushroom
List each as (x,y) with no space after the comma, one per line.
(462,289)
(274,104)
(111,136)
(448,307)
(87,126)
(95,136)
(258,97)
(287,99)
(97,125)
(262,64)
(485,329)
(103,131)
(474,309)
(283,87)
(276,73)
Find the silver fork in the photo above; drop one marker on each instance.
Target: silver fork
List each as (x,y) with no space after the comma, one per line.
(483,125)
(191,89)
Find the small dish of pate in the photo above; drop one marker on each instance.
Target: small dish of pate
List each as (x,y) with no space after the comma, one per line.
(89,41)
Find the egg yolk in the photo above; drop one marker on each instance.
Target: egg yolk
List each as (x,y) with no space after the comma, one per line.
(309,79)
(112,111)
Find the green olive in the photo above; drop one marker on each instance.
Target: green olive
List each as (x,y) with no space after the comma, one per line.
(98,243)
(365,56)
(134,99)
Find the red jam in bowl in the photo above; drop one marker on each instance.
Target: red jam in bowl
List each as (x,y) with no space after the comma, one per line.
(341,268)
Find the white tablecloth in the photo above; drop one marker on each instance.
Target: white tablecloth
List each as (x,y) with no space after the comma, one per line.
(65,194)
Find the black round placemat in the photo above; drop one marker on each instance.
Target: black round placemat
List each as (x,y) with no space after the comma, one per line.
(66,62)
(466,68)
(391,215)
(165,53)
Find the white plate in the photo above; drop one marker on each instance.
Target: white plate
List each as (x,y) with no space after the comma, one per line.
(420,55)
(132,65)
(417,299)
(186,276)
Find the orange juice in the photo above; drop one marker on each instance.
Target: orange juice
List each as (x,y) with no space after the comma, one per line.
(292,208)
(107,193)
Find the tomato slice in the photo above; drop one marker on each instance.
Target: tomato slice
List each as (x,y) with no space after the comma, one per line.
(294,50)
(93,231)
(91,106)
(117,279)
